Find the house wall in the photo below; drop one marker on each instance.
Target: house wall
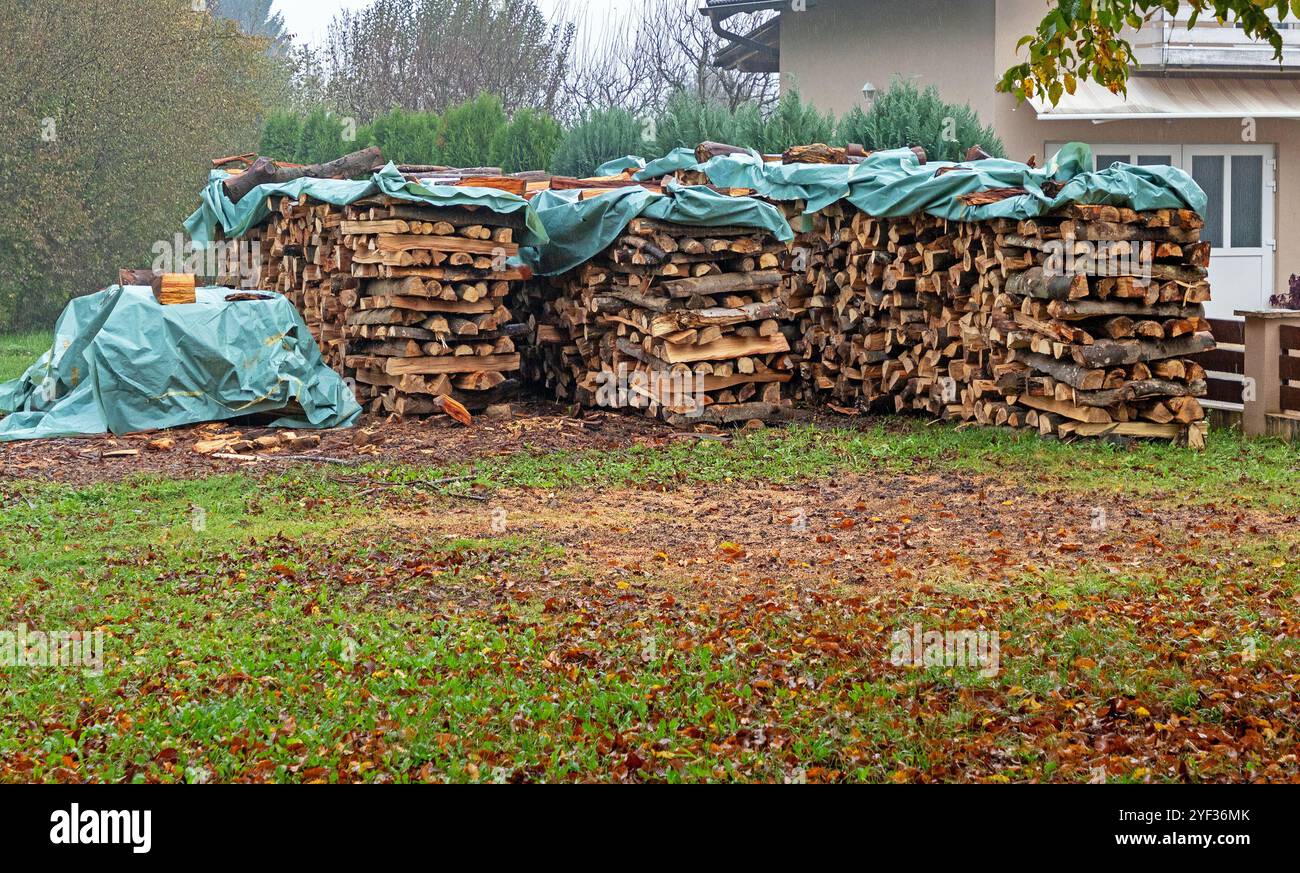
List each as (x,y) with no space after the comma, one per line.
(1023,134)
(830,50)
(962,47)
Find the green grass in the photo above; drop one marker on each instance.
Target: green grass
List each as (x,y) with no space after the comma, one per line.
(1232,470)
(18,351)
(295,634)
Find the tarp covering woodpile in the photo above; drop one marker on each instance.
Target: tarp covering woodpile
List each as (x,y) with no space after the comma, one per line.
(122,362)
(894,183)
(404,282)
(988,291)
(217,210)
(577,229)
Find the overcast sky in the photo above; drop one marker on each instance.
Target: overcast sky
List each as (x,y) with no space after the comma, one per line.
(309,19)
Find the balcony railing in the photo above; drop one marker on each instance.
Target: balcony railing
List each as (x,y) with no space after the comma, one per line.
(1166,44)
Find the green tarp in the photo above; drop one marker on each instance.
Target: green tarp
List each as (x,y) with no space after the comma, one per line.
(121,362)
(580,229)
(894,183)
(235,219)
(887,184)
(677,159)
(618,165)
(563,230)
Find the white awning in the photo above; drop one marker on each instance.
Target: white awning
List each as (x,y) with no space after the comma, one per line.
(1150,97)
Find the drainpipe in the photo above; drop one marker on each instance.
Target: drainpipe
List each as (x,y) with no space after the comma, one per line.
(716,20)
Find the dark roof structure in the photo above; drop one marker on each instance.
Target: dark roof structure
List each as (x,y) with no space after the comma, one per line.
(758,51)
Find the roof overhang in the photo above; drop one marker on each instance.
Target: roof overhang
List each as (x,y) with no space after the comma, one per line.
(728,8)
(746,58)
(1168,98)
(758,51)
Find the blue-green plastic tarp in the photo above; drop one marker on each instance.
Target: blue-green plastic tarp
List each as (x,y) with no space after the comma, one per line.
(893,183)
(580,229)
(618,165)
(886,184)
(121,363)
(677,159)
(235,219)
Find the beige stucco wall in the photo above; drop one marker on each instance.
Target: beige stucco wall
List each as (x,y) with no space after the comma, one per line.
(832,49)
(962,46)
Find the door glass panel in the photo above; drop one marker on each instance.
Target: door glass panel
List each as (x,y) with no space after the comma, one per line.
(1104,161)
(1247,201)
(1155,160)
(1207,170)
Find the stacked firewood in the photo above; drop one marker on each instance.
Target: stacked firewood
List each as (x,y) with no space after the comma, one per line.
(1082,323)
(1077,324)
(406,300)
(685,323)
(827,304)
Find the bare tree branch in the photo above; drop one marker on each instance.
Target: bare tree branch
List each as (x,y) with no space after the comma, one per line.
(431,54)
(637,64)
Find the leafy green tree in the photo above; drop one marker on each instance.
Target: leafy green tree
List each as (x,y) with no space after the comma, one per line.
(281,134)
(100,159)
(793,123)
(405,137)
(688,121)
(600,137)
(528,142)
(1085,39)
(322,138)
(904,115)
(466,133)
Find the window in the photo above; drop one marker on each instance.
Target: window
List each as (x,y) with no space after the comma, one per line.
(1207,170)
(1247,201)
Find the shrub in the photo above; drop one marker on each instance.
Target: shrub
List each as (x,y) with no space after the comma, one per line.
(793,123)
(599,137)
(904,115)
(687,121)
(281,133)
(405,137)
(466,133)
(322,138)
(528,142)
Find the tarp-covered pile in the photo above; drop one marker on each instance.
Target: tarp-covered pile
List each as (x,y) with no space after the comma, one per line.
(1054,297)
(894,183)
(122,363)
(405,285)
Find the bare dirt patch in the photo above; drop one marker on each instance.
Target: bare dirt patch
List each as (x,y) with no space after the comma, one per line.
(535,428)
(855,532)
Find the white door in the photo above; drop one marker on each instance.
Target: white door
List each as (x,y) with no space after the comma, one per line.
(1239,182)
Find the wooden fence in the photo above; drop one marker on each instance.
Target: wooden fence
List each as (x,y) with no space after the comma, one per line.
(1288,368)
(1225,366)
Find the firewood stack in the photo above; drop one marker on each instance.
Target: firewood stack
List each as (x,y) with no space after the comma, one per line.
(684,323)
(551,359)
(822,296)
(1077,324)
(1082,323)
(408,301)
